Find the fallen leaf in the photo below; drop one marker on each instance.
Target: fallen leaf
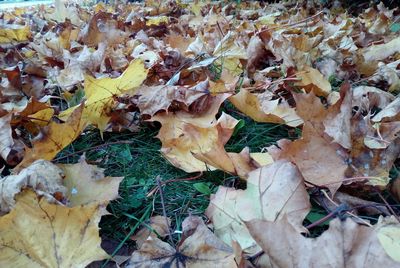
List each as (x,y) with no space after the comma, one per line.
(319,162)
(159,227)
(183,134)
(42,176)
(198,248)
(272,191)
(312,80)
(53,138)
(87,184)
(381,52)
(344,244)
(10,33)
(160,98)
(38,234)
(268,112)
(100,93)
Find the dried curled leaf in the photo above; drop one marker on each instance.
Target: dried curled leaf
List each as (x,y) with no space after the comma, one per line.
(38,234)
(271,111)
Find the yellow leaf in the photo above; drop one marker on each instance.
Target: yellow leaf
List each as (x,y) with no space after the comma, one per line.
(87,184)
(389,238)
(250,105)
(54,138)
(38,234)
(14,33)
(100,93)
(156,20)
(312,79)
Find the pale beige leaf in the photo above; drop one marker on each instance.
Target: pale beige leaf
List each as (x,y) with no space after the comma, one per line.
(312,80)
(87,184)
(42,176)
(272,191)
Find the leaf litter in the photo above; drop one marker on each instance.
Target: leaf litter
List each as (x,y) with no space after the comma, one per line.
(67,69)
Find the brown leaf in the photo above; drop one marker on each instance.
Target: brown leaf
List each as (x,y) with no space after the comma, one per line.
(318,161)
(344,244)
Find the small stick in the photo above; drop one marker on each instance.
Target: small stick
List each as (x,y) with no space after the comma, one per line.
(351,214)
(92,148)
(154,190)
(387,205)
(163,209)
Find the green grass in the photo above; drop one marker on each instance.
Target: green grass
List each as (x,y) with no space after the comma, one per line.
(140,162)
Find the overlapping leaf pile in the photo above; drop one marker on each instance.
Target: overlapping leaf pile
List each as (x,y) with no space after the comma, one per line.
(66,67)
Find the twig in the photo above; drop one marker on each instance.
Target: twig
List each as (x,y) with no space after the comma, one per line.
(387,205)
(92,148)
(294,23)
(154,190)
(163,209)
(332,214)
(351,214)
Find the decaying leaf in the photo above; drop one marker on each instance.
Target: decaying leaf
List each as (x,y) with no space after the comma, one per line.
(160,98)
(272,191)
(344,244)
(87,184)
(38,234)
(198,248)
(11,33)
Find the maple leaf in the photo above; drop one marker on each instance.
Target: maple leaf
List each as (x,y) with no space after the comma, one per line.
(272,191)
(344,244)
(318,161)
(312,80)
(272,111)
(38,234)
(198,248)
(183,134)
(160,98)
(41,176)
(10,33)
(54,138)
(100,93)
(87,184)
